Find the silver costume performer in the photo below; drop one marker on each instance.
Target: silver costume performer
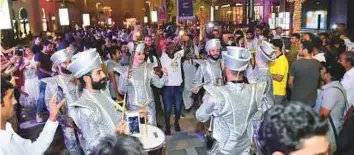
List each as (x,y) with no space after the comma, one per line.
(94,113)
(209,71)
(233,107)
(96,117)
(189,70)
(63,86)
(138,89)
(261,73)
(265,53)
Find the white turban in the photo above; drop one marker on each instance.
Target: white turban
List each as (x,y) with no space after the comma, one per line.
(213,43)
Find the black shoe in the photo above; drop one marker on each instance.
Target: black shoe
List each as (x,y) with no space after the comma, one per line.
(177,127)
(168,132)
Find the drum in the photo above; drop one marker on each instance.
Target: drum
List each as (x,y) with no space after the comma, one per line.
(154,141)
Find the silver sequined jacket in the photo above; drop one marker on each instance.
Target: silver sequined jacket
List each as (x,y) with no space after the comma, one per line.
(96,117)
(233,107)
(209,70)
(69,89)
(138,88)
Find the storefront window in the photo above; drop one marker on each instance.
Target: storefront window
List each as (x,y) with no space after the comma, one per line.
(258,12)
(238,15)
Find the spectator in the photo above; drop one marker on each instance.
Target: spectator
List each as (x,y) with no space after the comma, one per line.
(240,42)
(304,76)
(119,145)
(332,99)
(31,82)
(324,39)
(150,51)
(5,63)
(259,32)
(294,48)
(12,143)
(152,57)
(278,33)
(44,66)
(37,47)
(347,60)
(115,54)
(317,53)
(279,69)
(124,61)
(252,43)
(172,92)
(308,37)
(60,44)
(293,129)
(72,48)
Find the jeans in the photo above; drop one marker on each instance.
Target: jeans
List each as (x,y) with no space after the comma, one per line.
(156,93)
(172,95)
(279,99)
(41,107)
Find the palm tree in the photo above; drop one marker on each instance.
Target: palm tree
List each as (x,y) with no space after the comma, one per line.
(297,14)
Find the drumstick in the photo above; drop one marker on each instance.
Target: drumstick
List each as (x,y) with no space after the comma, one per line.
(145,119)
(124,101)
(201,85)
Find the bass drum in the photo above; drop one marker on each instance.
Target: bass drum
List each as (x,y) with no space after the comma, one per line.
(154,141)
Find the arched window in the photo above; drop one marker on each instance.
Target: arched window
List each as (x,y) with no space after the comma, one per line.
(24,25)
(44,21)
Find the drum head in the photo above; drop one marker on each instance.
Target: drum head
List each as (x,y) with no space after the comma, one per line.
(154,139)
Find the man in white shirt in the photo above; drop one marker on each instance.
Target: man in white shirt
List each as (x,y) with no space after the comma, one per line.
(172,92)
(11,143)
(347,60)
(252,42)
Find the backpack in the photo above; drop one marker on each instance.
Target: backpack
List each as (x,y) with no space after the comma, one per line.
(345,143)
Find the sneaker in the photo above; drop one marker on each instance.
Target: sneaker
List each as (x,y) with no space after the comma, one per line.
(168,132)
(39,118)
(177,127)
(182,115)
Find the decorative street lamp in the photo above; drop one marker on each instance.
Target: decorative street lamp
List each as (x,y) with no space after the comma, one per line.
(297,14)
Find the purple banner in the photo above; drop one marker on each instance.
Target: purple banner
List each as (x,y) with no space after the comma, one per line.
(185,9)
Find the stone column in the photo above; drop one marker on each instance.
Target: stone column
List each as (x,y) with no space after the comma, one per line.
(267,12)
(35,17)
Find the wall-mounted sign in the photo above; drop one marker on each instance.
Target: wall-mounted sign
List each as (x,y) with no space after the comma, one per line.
(85,19)
(312,19)
(185,9)
(5,15)
(64,16)
(154,16)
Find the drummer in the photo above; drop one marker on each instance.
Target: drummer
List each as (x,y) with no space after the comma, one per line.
(93,112)
(136,81)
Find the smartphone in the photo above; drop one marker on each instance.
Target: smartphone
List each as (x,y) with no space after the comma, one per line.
(133,120)
(19,51)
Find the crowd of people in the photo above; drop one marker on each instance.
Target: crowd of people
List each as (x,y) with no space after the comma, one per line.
(285,94)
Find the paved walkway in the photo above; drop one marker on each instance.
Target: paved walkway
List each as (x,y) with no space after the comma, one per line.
(186,142)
